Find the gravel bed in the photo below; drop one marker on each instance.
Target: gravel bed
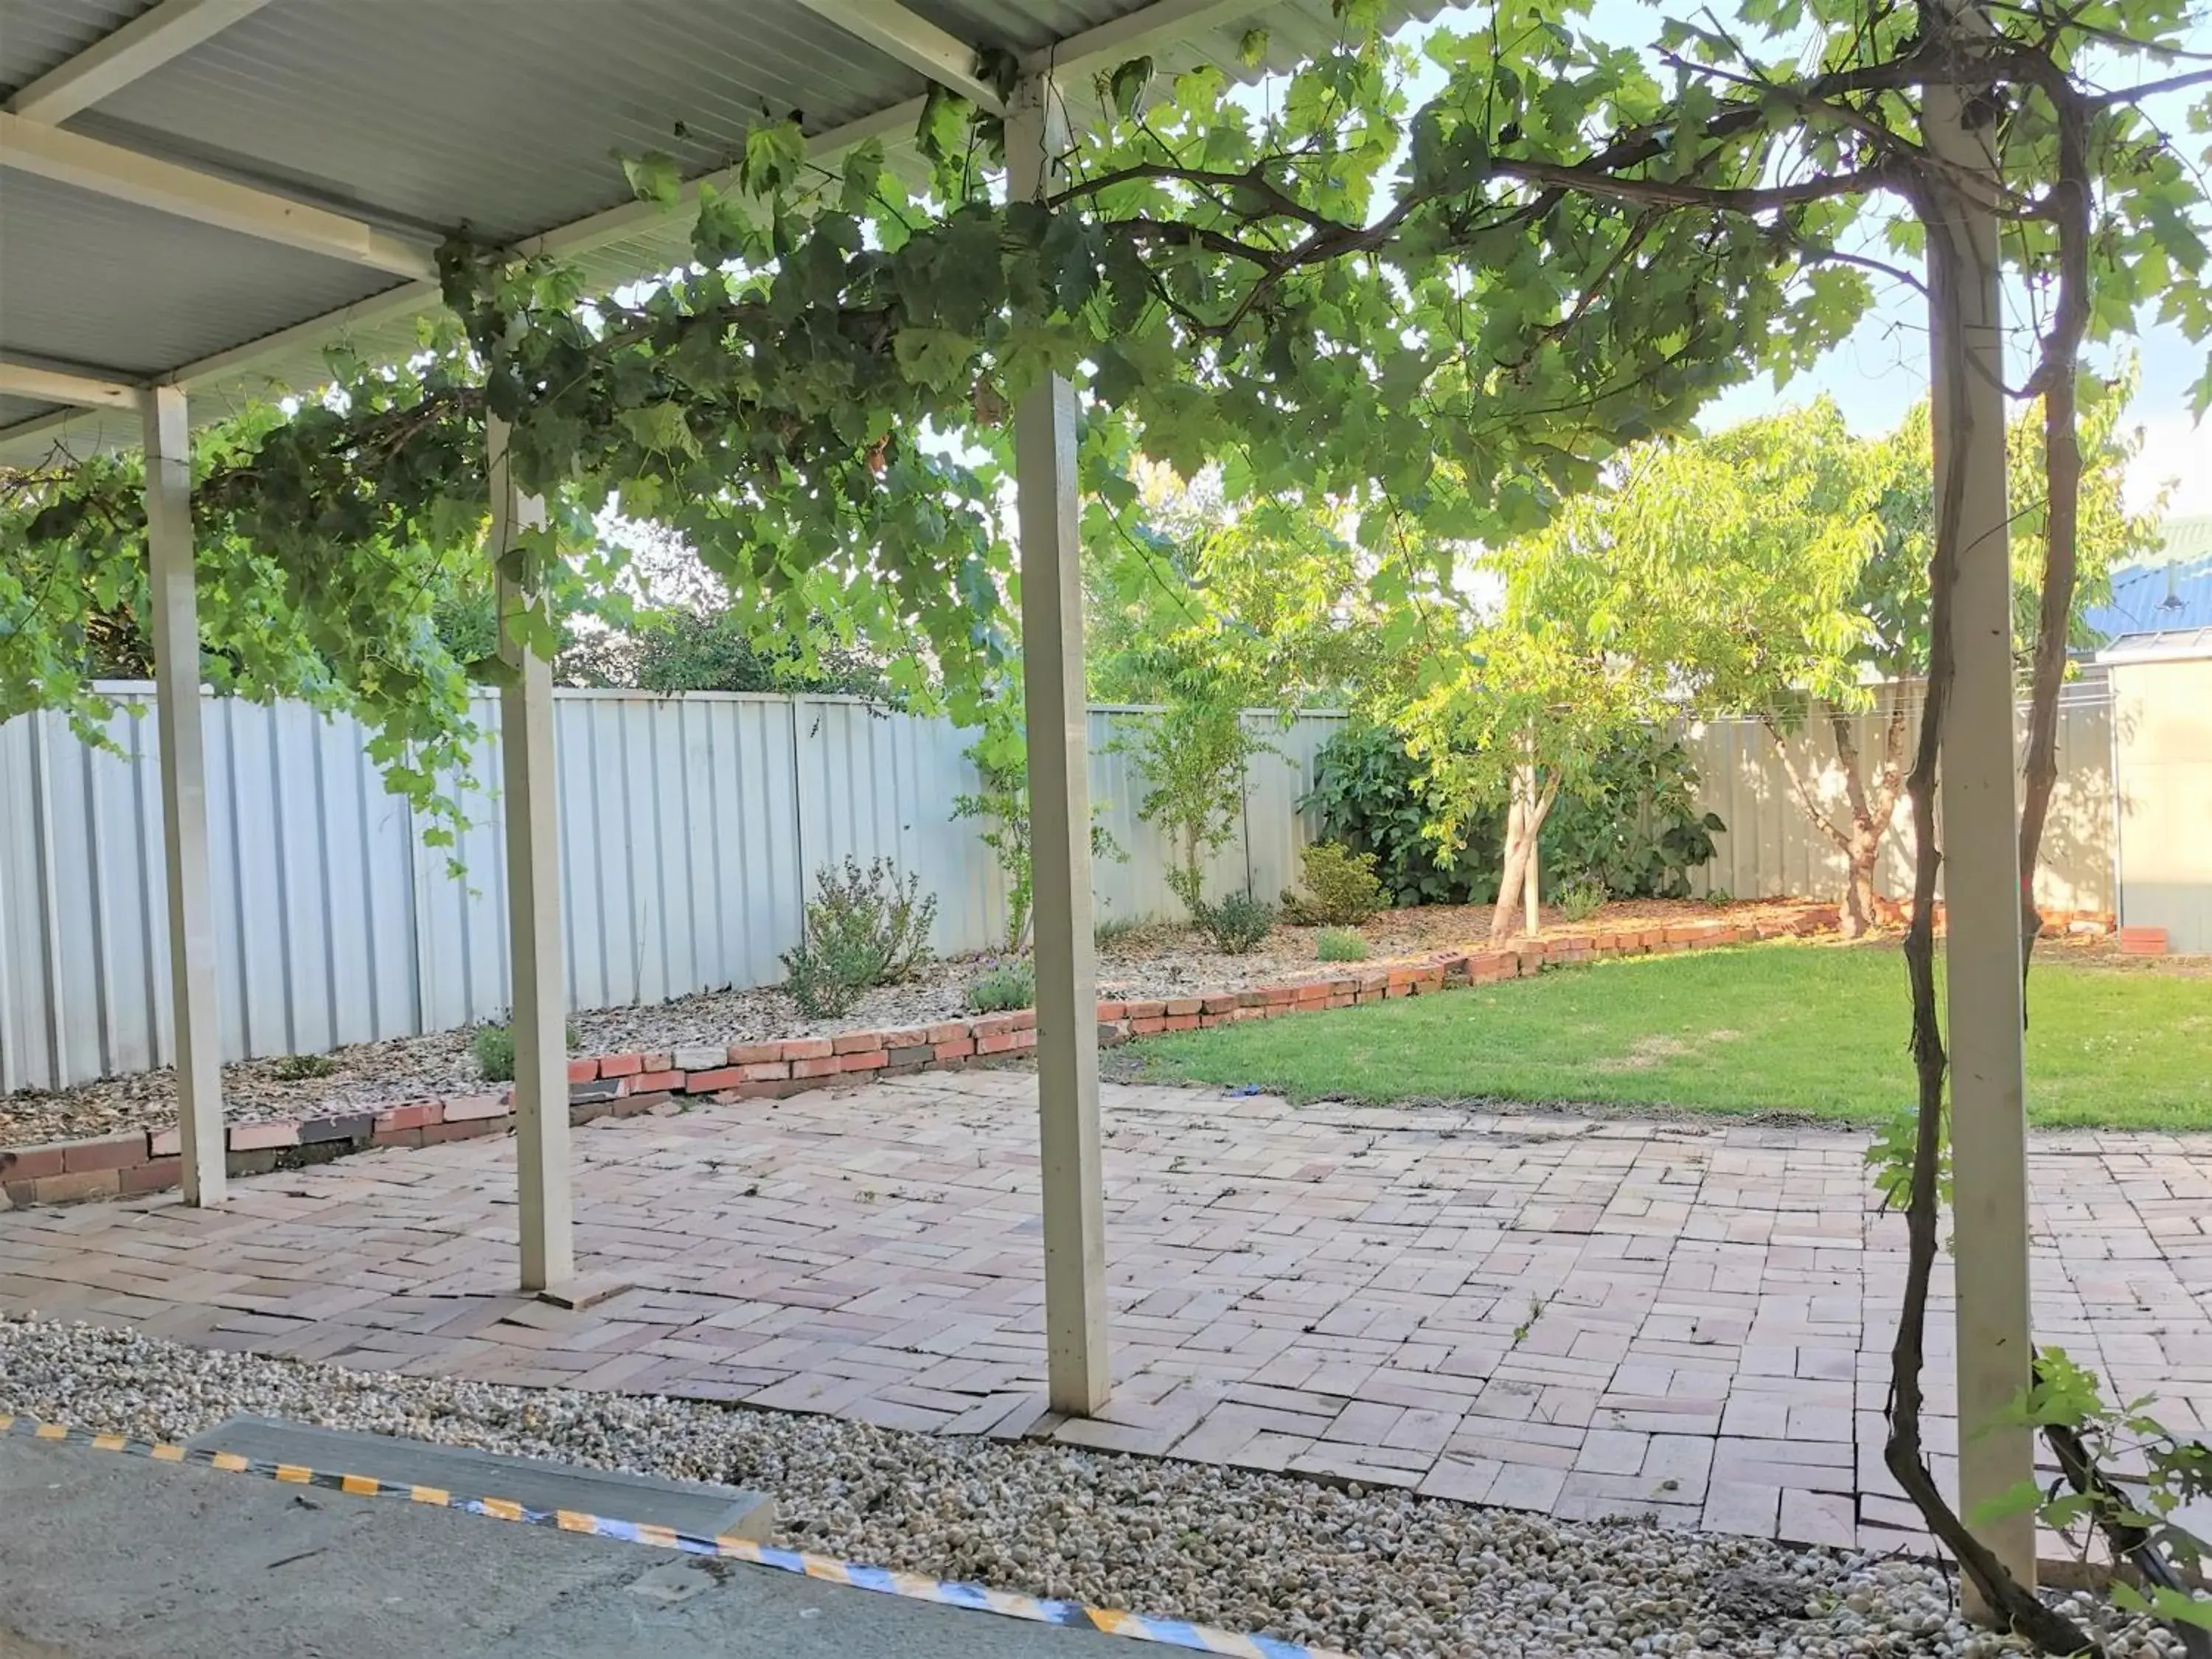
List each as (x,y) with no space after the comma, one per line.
(1152,961)
(1376,1573)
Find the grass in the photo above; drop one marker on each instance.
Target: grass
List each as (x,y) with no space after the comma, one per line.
(1813,1029)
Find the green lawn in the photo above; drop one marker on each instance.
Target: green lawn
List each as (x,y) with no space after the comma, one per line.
(1815,1028)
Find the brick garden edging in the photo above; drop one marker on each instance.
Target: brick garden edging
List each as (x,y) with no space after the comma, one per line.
(621,1085)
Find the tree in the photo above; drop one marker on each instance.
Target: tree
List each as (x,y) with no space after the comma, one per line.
(1543,685)
(1193,756)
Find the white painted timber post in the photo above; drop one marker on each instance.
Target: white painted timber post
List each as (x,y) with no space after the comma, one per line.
(1981,865)
(192,976)
(540,1011)
(1077,1374)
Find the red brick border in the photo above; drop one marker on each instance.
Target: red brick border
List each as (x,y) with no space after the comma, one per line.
(622,1086)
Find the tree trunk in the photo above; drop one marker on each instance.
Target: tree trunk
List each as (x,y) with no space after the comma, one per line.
(1524,821)
(1514,871)
(2062,467)
(1858,884)
(1872,809)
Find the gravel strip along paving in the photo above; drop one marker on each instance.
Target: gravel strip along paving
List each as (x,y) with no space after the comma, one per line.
(1153,961)
(1376,1573)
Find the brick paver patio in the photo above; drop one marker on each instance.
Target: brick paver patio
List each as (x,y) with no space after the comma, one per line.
(1688,1320)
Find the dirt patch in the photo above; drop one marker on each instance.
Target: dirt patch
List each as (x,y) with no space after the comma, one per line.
(1645,1052)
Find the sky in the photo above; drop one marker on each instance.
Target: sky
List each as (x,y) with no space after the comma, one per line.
(1881,370)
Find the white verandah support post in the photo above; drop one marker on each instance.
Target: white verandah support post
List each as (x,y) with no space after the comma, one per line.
(193,975)
(540,1011)
(1079,1378)
(1981,868)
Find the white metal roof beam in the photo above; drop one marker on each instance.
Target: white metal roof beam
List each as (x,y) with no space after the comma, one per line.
(55,385)
(138,48)
(70,158)
(915,41)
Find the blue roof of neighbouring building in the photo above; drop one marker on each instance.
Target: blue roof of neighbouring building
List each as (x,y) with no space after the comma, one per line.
(2170,592)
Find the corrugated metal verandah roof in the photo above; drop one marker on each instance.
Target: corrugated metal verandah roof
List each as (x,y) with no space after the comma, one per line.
(212,192)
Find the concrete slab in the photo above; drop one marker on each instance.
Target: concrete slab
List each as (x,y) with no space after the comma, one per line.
(687,1506)
(104,1556)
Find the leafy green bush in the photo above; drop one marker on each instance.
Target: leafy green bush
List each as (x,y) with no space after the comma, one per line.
(1008,987)
(1193,754)
(1632,825)
(493,1047)
(1580,899)
(1236,923)
(1000,757)
(298,1068)
(1338,945)
(1366,792)
(864,927)
(1340,886)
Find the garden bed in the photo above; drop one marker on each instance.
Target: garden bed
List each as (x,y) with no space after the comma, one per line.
(1156,960)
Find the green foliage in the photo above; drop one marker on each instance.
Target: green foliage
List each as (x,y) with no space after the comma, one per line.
(2171,1469)
(300,1068)
(1338,945)
(717,649)
(1004,989)
(1340,886)
(865,927)
(494,1048)
(1370,797)
(1236,922)
(1631,821)
(1000,757)
(1631,826)
(1580,899)
(1193,756)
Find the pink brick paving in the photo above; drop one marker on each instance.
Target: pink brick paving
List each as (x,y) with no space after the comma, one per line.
(1346,1292)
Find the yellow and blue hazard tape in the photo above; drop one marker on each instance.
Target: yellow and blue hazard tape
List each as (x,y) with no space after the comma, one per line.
(1172,1633)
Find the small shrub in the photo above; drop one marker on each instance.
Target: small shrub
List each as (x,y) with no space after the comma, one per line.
(826,978)
(1718,896)
(1007,987)
(1341,887)
(298,1068)
(1236,923)
(1579,901)
(864,927)
(1338,945)
(494,1046)
(1106,929)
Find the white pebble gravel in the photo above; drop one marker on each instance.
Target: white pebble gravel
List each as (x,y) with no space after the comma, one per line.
(1376,1573)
